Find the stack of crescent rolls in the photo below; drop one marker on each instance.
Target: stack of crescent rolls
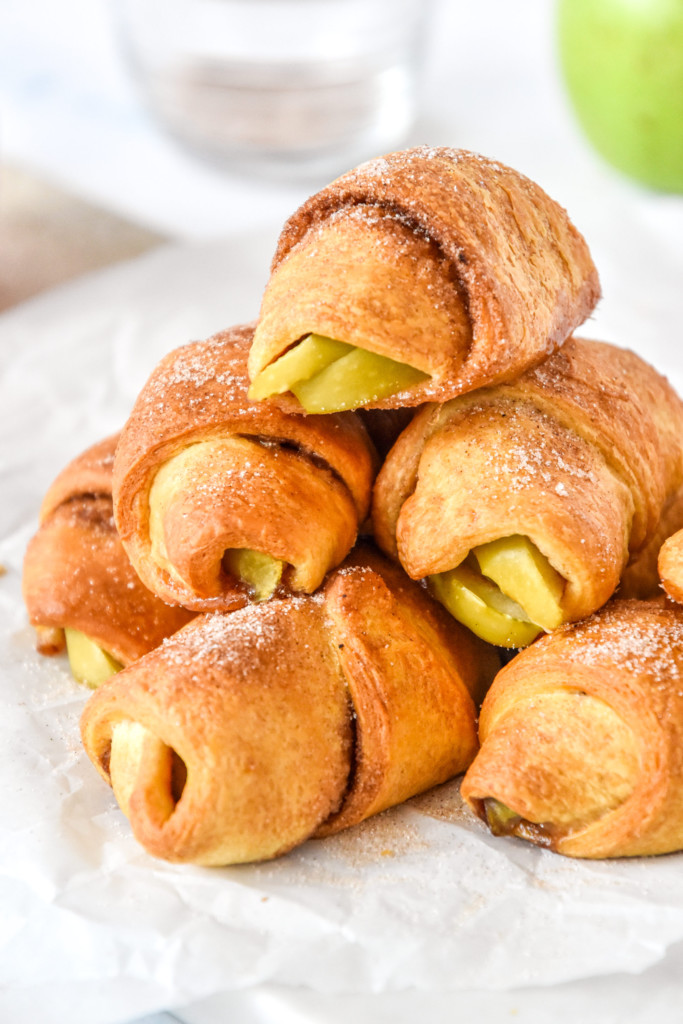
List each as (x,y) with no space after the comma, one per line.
(290,580)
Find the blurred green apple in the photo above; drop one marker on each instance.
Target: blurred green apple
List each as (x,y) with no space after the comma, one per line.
(623,64)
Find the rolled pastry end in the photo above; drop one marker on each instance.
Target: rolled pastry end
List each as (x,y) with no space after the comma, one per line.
(363,314)
(145,773)
(514,496)
(232,742)
(80,589)
(233,520)
(555,765)
(506,592)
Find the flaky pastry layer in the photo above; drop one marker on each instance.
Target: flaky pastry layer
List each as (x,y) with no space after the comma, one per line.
(77,574)
(581,454)
(245,733)
(439,258)
(582,735)
(200,469)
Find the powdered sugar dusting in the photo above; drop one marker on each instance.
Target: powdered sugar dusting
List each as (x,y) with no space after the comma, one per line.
(232,641)
(645,638)
(530,458)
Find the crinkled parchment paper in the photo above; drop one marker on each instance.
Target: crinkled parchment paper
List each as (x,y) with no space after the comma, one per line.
(420,896)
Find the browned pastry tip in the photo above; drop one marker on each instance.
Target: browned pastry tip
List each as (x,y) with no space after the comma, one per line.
(201,470)
(437,258)
(244,734)
(581,455)
(671,566)
(581,737)
(77,574)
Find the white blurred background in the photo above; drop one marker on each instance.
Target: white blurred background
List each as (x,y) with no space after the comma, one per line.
(70,110)
(70,114)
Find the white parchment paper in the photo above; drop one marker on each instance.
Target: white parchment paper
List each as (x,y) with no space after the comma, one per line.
(92,929)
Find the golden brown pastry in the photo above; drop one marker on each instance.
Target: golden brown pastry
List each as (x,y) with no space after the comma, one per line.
(77,575)
(244,734)
(218,499)
(580,460)
(671,566)
(447,264)
(582,735)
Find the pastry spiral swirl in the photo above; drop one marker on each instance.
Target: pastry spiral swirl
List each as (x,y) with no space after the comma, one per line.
(437,259)
(248,732)
(201,472)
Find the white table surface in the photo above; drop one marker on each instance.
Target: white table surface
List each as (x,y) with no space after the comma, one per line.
(68,110)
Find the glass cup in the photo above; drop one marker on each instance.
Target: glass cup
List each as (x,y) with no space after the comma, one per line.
(284,87)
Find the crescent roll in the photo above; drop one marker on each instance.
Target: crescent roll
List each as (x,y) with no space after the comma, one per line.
(219,500)
(77,575)
(581,737)
(245,734)
(537,495)
(417,277)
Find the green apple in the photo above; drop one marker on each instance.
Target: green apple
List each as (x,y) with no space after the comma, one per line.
(260,571)
(482,607)
(623,65)
(526,576)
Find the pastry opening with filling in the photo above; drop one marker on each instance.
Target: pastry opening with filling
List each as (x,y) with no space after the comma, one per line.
(206,532)
(506,591)
(569,759)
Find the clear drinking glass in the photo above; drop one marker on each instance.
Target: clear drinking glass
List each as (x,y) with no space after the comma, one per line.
(296,87)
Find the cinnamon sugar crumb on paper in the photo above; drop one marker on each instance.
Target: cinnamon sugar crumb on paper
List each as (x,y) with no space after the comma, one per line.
(384,837)
(444,803)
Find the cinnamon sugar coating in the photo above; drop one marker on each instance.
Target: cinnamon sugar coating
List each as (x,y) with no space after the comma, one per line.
(264,480)
(438,258)
(617,795)
(581,454)
(77,574)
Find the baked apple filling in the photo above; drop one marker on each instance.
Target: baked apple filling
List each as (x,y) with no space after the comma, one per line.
(505,591)
(236,514)
(90,664)
(329,376)
(258,570)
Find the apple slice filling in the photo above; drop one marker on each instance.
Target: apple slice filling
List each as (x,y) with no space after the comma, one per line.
(482,607)
(500,819)
(520,570)
(89,663)
(505,591)
(330,376)
(300,363)
(261,572)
